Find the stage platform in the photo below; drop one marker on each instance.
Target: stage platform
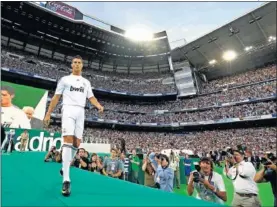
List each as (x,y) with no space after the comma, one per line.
(28,181)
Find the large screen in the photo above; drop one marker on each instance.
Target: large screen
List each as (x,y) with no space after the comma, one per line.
(22,106)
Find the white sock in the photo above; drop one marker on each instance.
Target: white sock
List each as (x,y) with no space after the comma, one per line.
(74,150)
(67,157)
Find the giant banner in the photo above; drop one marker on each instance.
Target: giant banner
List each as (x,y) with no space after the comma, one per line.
(22,106)
(39,140)
(61,8)
(42,140)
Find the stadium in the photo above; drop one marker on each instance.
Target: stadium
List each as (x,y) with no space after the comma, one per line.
(203,101)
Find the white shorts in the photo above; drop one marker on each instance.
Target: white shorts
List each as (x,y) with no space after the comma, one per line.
(73,118)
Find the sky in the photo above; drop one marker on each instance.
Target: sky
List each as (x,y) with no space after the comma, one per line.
(181,20)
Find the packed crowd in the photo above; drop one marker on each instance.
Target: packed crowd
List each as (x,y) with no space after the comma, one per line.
(146,83)
(248,77)
(262,90)
(239,111)
(135,83)
(257,139)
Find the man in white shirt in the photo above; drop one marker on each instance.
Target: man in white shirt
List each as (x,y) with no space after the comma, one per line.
(75,89)
(242,173)
(210,185)
(12,116)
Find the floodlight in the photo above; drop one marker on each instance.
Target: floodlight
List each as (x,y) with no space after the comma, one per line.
(248,48)
(212,62)
(271,38)
(139,34)
(229,55)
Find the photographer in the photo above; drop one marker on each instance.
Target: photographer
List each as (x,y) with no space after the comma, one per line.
(208,184)
(242,174)
(53,155)
(268,173)
(164,175)
(80,161)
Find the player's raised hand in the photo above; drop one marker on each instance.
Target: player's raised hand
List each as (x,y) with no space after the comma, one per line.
(46,120)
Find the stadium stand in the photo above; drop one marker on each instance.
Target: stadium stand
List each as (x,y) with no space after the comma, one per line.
(235,102)
(260,139)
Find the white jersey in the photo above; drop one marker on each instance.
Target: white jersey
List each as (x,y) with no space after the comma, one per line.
(13,117)
(75,90)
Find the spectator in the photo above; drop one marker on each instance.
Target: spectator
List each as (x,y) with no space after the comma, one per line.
(93,164)
(149,172)
(99,163)
(174,164)
(126,162)
(187,165)
(135,163)
(113,167)
(164,175)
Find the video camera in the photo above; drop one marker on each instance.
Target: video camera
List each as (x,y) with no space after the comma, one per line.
(228,153)
(271,159)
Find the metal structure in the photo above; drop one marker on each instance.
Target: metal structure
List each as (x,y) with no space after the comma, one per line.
(252,29)
(42,31)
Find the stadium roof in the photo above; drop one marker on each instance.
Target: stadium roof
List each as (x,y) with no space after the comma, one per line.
(244,35)
(33,17)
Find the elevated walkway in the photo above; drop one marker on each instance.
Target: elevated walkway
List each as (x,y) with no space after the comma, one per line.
(28,181)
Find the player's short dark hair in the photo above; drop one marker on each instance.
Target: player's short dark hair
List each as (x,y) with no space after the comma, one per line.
(77,57)
(9,89)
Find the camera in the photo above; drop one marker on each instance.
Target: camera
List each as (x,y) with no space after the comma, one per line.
(158,156)
(53,149)
(197,176)
(157,185)
(229,153)
(271,159)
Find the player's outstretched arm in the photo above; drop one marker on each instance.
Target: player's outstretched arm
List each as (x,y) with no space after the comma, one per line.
(53,104)
(95,102)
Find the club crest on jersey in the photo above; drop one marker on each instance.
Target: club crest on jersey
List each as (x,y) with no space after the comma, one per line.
(77,89)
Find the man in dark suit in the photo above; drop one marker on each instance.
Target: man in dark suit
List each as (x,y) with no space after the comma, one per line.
(35,122)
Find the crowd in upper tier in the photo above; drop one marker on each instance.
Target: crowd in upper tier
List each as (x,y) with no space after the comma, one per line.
(134,83)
